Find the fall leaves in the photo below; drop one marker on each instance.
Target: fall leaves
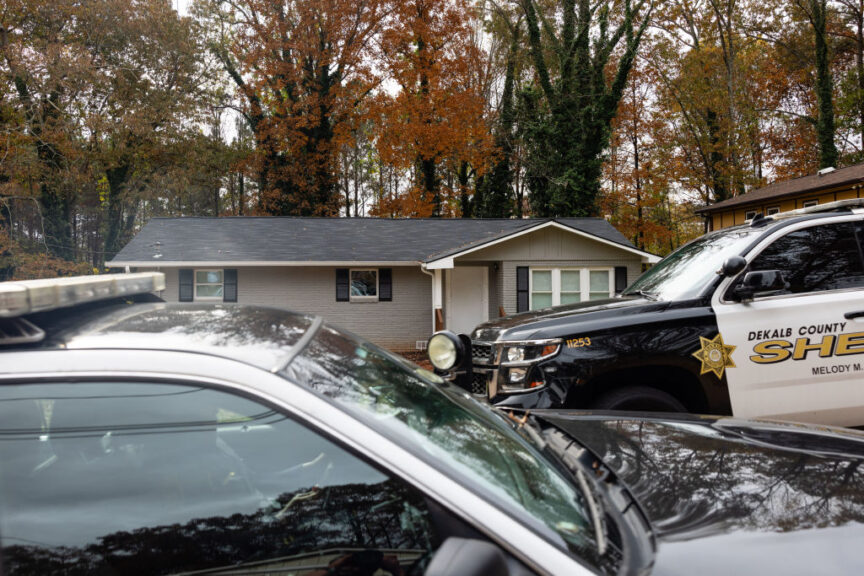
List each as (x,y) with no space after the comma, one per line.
(116,111)
(725,99)
(437,115)
(314,74)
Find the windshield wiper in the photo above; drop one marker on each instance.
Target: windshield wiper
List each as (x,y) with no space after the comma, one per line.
(600,484)
(528,425)
(604,496)
(647,295)
(577,460)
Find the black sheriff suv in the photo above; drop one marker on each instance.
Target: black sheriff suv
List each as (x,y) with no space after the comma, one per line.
(765,319)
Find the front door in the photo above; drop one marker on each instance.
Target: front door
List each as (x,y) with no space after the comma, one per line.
(467,298)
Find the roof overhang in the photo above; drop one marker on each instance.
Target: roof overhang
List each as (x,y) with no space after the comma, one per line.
(448,260)
(753,198)
(255,264)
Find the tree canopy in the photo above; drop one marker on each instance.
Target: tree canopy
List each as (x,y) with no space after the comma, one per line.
(115,111)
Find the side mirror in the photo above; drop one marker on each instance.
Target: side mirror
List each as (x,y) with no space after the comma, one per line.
(467,557)
(732,266)
(761,283)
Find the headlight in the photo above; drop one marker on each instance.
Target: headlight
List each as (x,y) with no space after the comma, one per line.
(531,352)
(516,375)
(520,380)
(445,350)
(515,354)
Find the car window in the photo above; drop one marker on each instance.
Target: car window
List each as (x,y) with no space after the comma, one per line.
(691,269)
(141,478)
(815,259)
(443,425)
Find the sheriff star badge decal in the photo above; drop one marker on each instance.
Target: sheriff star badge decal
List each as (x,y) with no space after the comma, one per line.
(715,355)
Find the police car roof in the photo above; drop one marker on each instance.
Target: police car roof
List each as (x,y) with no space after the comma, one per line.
(265,337)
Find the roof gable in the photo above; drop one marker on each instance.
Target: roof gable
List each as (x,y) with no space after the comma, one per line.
(284,240)
(594,231)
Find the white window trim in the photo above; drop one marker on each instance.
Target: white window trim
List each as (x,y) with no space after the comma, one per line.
(353,298)
(584,282)
(771,210)
(195,284)
(751,214)
(809,203)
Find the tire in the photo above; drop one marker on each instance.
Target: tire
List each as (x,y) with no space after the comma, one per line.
(638,399)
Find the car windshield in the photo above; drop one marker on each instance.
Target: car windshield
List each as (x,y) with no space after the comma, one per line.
(445,426)
(690,270)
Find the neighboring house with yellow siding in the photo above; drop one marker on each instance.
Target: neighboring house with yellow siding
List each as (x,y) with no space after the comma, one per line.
(828,185)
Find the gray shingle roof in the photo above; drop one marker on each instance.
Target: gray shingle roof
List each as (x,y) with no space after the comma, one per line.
(273,239)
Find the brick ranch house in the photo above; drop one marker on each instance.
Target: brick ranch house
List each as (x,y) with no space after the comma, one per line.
(393,281)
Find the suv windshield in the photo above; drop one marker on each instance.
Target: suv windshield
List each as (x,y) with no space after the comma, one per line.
(443,425)
(690,270)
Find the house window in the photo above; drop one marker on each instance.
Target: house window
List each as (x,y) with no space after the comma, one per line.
(772,210)
(751,214)
(364,285)
(810,203)
(600,284)
(555,286)
(209,285)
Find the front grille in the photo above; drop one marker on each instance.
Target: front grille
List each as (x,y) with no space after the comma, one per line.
(482,353)
(478,383)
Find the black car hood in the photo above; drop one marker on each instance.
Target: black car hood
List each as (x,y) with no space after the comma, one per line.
(733,496)
(560,321)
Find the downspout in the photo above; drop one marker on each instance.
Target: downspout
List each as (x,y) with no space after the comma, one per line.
(434,290)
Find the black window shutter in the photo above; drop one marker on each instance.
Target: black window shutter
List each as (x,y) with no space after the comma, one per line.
(343,292)
(187,285)
(620,279)
(521,288)
(229,289)
(385,284)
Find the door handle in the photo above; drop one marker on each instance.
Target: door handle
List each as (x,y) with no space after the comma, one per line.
(853,315)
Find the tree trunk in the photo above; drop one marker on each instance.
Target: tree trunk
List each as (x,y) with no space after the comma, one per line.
(825,129)
(464,199)
(859,65)
(116,186)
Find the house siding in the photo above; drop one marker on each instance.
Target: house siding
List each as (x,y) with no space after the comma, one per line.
(548,248)
(549,244)
(738,214)
(494,292)
(396,325)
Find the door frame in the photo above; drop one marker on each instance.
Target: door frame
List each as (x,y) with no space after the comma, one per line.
(448,304)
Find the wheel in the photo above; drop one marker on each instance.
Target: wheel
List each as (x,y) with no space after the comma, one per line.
(638,398)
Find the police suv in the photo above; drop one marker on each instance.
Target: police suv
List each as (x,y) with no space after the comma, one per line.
(760,320)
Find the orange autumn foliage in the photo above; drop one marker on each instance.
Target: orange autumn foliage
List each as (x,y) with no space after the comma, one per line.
(435,121)
(303,67)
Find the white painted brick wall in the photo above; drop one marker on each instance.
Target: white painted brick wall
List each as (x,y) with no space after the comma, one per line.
(396,325)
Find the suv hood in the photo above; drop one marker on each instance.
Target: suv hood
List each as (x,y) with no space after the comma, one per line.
(585,317)
(734,496)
